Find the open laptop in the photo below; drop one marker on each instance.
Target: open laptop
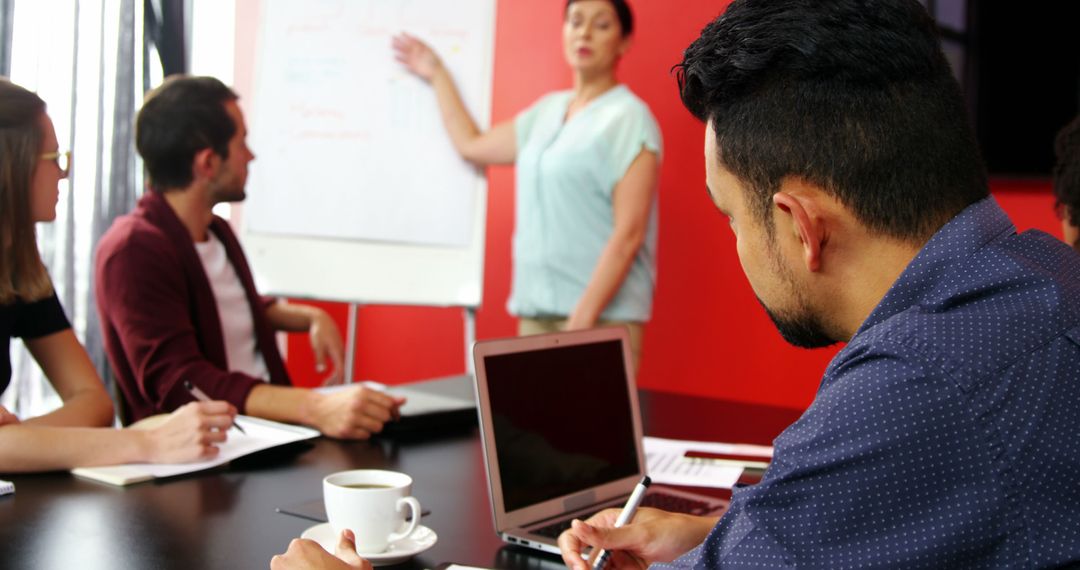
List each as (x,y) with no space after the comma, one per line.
(562,433)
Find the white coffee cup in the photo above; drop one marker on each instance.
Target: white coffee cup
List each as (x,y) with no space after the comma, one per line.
(371,503)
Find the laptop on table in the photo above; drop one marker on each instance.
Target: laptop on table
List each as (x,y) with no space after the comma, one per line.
(561,433)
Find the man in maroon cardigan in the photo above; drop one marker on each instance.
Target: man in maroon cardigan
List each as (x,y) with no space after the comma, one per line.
(172,312)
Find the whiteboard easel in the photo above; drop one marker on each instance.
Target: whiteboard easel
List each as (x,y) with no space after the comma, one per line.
(357,194)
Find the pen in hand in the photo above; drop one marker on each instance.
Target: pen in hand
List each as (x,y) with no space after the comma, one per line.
(202,397)
(625,516)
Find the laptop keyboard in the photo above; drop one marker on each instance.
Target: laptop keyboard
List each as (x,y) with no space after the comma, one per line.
(676,503)
(553,530)
(659,500)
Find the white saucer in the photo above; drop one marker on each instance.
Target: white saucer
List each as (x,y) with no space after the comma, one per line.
(420,540)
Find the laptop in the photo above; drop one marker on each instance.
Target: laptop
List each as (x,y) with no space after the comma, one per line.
(562,433)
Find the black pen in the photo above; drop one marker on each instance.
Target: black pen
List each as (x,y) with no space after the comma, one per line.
(202,397)
(625,516)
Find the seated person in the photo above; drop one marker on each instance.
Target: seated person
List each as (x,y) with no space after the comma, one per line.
(1067,181)
(175,293)
(76,434)
(944,434)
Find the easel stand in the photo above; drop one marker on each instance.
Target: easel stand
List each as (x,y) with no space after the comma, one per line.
(468,315)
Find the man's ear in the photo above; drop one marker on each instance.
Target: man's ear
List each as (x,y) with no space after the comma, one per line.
(205,164)
(807,222)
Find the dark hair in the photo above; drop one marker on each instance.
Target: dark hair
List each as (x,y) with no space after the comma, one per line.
(852,95)
(1067,173)
(178,119)
(22,275)
(622,10)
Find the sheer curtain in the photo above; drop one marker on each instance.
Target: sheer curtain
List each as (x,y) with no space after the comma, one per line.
(88,60)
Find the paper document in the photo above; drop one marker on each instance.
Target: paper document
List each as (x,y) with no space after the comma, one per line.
(668,462)
(6,487)
(417,402)
(261,434)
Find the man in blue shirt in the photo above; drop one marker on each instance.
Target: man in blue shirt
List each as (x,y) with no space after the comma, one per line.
(946,434)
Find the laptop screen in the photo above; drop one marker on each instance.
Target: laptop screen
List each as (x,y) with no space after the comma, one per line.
(562,420)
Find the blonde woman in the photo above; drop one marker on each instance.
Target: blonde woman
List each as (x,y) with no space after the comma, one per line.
(76,434)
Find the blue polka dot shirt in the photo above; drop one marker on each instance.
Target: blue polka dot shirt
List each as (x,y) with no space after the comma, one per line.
(946,434)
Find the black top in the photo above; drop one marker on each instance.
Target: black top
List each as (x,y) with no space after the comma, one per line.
(27,320)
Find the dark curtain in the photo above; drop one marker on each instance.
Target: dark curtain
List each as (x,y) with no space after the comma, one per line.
(164,31)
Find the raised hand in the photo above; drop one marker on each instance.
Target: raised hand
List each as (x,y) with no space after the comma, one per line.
(416,56)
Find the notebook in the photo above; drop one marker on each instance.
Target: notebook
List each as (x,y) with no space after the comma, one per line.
(562,433)
(261,434)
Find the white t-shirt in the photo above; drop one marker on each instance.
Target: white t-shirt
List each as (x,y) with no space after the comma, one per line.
(237,326)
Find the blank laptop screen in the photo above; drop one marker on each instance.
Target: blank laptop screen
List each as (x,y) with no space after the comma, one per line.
(562,420)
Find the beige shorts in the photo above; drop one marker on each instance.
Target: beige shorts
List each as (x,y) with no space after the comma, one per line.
(529,326)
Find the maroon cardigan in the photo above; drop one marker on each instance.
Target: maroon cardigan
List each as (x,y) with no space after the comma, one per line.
(159,315)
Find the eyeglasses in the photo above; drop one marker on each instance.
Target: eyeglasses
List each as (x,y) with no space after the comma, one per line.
(62,160)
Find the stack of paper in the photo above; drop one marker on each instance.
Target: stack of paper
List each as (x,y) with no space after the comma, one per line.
(679,462)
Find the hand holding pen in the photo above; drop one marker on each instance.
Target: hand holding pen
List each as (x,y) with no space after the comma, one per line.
(202,397)
(637,540)
(600,559)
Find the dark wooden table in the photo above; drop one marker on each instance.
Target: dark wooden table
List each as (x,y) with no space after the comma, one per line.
(225,518)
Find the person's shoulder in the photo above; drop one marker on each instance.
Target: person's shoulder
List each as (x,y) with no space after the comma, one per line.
(551,99)
(133,234)
(995,309)
(1043,255)
(1029,275)
(625,98)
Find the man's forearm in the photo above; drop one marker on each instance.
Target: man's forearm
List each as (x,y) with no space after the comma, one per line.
(290,317)
(280,403)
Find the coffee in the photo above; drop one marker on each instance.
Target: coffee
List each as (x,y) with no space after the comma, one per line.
(377,518)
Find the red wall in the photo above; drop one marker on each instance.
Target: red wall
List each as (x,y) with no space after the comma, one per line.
(708,335)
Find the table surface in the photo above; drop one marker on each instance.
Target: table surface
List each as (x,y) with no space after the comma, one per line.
(226,518)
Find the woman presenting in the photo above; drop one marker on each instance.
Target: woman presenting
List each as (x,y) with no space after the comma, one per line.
(31,166)
(587,164)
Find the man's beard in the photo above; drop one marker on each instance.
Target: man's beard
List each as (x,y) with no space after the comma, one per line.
(229,194)
(801,328)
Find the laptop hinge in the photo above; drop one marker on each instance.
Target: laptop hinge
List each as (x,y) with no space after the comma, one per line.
(573,513)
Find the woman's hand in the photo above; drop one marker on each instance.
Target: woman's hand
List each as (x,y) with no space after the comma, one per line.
(191,433)
(416,56)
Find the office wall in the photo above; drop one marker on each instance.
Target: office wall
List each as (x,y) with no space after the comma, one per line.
(708,335)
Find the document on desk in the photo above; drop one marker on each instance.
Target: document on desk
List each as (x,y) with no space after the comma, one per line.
(671,461)
(261,434)
(417,403)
